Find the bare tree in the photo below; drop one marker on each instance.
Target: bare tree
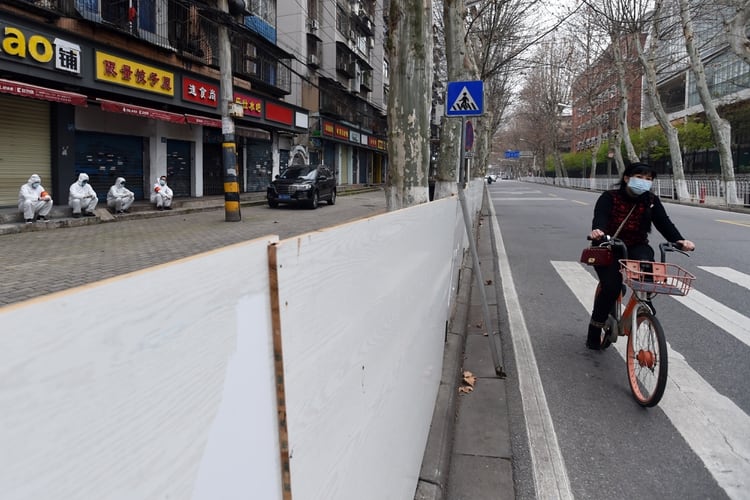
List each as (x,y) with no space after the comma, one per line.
(460,67)
(736,27)
(648,57)
(720,127)
(409,102)
(588,62)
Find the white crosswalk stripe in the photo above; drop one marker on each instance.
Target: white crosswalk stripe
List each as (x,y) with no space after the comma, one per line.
(729,320)
(712,425)
(729,274)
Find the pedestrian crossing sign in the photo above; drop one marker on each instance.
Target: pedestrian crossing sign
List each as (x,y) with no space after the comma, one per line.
(465,98)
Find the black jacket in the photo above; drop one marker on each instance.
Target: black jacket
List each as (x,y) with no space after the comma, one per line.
(613,206)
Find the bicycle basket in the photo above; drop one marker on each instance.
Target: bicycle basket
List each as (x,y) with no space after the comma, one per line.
(656,277)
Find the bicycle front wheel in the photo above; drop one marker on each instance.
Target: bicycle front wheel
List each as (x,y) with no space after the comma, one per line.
(647,360)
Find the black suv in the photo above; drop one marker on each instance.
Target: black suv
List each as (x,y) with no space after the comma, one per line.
(303,184)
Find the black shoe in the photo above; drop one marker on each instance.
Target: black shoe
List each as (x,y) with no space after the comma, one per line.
(594,338)
(76,216)
(167,208)
(43,218)
(29,221)
(160,208)
(89,214)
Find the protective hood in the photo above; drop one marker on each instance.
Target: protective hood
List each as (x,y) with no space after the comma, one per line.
(34,178)
(82,177)
(119,181)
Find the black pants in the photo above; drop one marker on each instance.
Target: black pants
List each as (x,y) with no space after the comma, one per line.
(610,281)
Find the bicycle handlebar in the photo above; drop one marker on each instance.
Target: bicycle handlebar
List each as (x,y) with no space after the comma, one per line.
(663,247)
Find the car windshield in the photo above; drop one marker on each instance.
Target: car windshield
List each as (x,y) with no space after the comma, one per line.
(302,172)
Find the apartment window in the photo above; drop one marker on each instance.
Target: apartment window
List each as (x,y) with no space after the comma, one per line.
(264,9)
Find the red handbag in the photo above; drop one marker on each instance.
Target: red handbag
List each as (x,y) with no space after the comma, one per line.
(597,256)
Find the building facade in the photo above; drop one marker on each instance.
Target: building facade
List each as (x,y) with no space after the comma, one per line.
(131,88)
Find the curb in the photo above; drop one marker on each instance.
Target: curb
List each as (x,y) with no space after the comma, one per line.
(433,476)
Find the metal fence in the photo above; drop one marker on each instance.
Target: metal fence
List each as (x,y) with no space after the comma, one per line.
(700,189)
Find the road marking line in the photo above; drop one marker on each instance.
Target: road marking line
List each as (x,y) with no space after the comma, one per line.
(548,467)
(579,202)
(729,274)
(713,426)
(717,313)
(735,222)
(502,198)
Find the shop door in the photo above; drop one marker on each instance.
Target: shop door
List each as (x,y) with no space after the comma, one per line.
(179,167)
(213,170)
(259,165)
(105,157)
(24,146)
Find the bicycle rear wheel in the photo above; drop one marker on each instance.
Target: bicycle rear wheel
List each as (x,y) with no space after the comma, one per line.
(647,360)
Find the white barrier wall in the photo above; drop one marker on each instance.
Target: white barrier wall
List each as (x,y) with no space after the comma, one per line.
(162,383)
(111,391)
(363,309)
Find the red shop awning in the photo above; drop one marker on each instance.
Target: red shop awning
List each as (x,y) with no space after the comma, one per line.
(140,111)
(202,120)
(41,93)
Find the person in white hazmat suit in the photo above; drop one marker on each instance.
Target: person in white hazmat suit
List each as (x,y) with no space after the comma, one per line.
(119,198)
(82,197)
(34,201)
(162,194)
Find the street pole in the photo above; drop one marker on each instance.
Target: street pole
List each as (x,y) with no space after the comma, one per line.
(228,146)
(462,181)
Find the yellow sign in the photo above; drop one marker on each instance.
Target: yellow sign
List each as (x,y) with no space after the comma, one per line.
(133,74)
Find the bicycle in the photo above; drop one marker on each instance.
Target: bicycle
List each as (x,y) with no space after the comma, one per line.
(646,351)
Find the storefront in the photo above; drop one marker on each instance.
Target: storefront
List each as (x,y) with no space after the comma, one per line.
(24,145)
(356,156)
(71,106)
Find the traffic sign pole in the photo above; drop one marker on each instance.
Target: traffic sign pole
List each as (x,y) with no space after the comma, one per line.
(467,99)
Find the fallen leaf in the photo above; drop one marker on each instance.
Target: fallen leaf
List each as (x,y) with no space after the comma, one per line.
(488,282)
(469,378)
(465,389)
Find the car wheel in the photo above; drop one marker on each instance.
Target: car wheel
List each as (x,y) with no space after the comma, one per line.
(273,203)
(332,201)
(314,201)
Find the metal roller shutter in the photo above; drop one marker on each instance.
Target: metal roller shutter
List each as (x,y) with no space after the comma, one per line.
(24,145)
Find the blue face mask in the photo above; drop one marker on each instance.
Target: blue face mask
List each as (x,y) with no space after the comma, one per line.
(35,185)
(639,186)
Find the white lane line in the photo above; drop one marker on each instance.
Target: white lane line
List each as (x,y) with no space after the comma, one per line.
(717,313)
(729,274)
(714,427)
(548,467)
(529,198)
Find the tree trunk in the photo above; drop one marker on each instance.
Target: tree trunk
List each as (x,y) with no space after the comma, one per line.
(409,103)
(649,67)
(720,127)
(622,111)
(460,67)
(736,33)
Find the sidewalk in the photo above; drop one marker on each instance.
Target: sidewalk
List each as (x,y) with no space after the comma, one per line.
(468,453)
(11,221)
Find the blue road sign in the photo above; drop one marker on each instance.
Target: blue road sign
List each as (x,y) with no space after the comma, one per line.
(464,98)
(512,154)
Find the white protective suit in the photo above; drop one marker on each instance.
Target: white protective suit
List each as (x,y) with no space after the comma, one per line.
(119,198)
(82,197)
(162,195)
(31,201)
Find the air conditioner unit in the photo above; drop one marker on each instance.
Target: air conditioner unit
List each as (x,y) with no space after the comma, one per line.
(314,25)
(369,25)
(372,42)
(313,60)
(352,35)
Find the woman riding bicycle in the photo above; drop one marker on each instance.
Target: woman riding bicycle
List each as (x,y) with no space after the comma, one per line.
(612,207)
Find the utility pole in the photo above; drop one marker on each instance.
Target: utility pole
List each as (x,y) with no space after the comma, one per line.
(228,146)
